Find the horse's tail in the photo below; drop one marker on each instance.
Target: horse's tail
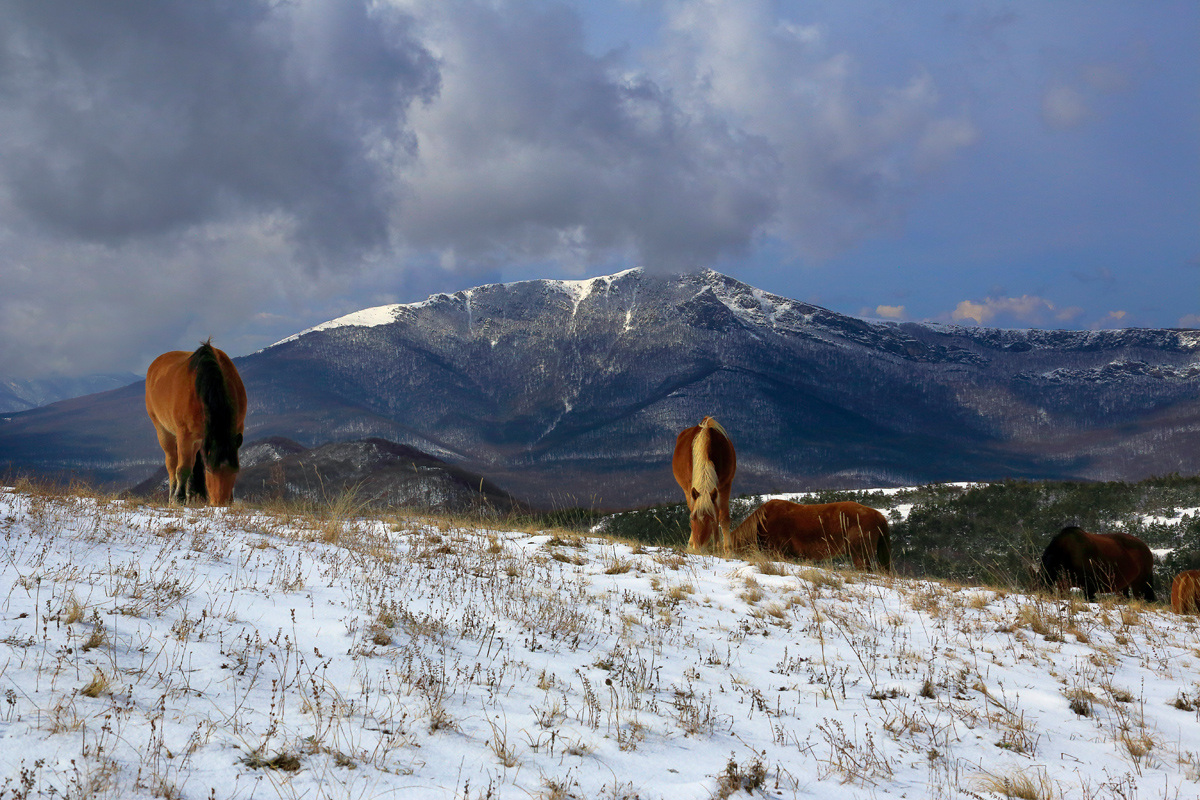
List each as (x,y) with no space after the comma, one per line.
(220,445)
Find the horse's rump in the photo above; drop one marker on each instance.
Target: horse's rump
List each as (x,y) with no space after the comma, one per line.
(1185,592)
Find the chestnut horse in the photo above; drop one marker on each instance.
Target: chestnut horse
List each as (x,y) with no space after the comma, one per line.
(704,463)
(1185,592)
(818,532)
(198,406)
(1099,562)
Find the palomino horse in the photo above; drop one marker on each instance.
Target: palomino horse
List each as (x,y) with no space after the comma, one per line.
(817,532)
(704,463)
(1099,562)
(198,406)
(1185,592)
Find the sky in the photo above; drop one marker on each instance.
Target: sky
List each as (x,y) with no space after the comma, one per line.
(244,169)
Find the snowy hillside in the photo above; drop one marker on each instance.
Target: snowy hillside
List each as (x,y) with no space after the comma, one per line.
(200,653)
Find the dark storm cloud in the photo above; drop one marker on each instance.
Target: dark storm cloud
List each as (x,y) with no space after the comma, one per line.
(173,170)
(737,125)
(537,148)
(128,119)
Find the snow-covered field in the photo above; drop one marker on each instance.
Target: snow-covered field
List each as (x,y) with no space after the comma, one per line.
(228,653)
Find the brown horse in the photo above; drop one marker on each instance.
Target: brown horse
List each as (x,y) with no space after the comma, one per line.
(1099,562)
(818,532)
(198,406)
(704,463)
(1185,592)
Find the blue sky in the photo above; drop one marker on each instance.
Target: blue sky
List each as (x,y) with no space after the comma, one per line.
(246,169)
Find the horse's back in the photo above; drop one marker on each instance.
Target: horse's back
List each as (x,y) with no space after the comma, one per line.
(720,452)
(171,399)
(1185,592)
(681,461)
(822,530)
(237,389)
(1116,561)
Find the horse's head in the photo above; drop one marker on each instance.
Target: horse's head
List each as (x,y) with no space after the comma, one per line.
(706,528)
(219,483)
(221,468)
(1047,573)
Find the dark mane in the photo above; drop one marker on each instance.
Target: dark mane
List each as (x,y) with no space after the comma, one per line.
(220,439)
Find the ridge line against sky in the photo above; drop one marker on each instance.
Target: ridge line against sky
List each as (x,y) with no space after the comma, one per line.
(247,169)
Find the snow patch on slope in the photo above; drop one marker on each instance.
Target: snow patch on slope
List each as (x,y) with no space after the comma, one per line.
(366,318)
(578,291)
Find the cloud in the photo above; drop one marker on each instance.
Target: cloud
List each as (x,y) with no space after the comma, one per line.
(536,149)
(849,152)
(890,312)
(1190,321)
(133,119)
(1113,319)
(1026,309)
(168,169)
(1070,103)
(1064,106)
(736,125)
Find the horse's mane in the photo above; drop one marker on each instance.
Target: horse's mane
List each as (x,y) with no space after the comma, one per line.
(704,471)
(220,442)
(745,535)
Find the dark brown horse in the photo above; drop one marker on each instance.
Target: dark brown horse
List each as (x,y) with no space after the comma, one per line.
(1099,562)
(198,406)
(704,464)
(818,532)
(1185,592)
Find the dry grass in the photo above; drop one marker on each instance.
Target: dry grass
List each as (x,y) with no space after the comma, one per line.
(939,698)
(1023,785)
(98,685)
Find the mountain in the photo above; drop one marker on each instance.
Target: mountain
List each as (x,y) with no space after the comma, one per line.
(375,472)
(20,395)
(571,393)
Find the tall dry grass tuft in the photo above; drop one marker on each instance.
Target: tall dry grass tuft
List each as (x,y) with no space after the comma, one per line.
(1022,785)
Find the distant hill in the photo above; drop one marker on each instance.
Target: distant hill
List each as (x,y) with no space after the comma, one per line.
(375,471)
(571,393)
(21,395)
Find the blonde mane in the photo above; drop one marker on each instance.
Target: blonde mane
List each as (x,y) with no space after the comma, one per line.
(704,471)
(745,535)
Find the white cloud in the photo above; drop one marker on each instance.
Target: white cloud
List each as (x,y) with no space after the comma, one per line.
(890,312)
(1026,309)
(1064,107)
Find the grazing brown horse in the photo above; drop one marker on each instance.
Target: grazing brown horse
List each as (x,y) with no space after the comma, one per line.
(818,532)
(704,463)
(1099,562)
(1185,592)
(198,406)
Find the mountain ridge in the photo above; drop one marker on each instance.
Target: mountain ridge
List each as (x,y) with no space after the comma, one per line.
(571,392)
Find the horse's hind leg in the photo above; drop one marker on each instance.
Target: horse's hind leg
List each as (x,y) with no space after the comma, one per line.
(166,440)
